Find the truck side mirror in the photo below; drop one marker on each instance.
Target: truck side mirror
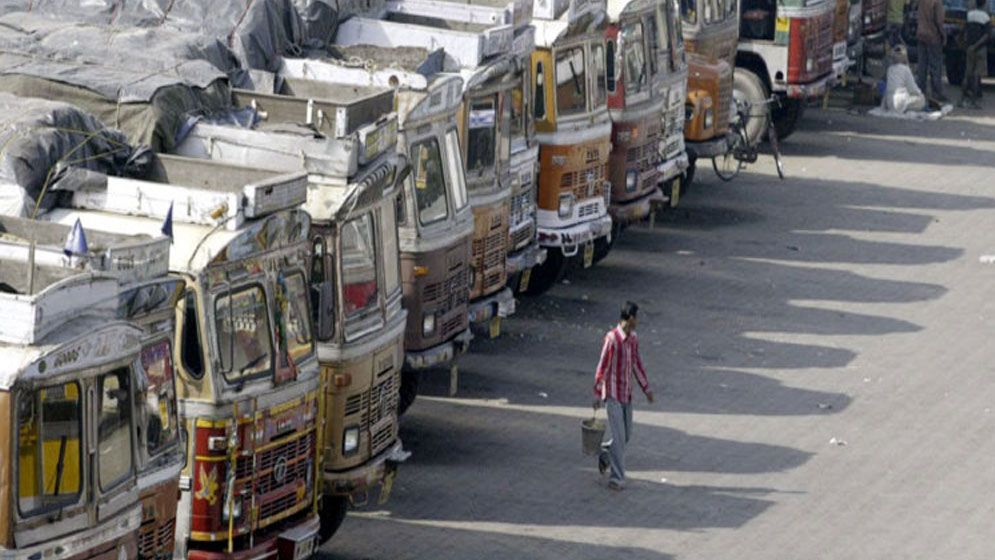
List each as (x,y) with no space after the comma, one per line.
(325,300)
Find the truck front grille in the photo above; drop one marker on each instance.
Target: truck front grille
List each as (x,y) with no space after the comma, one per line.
(586,183)
(154,541)
(449,293)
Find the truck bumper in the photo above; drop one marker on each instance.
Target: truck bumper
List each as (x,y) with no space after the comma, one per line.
(708,148)
(673,167)
(441,354)
(528,257)
(293,543)
(570,239)
(632,211)
(809,90)
(370,475)
(498,304)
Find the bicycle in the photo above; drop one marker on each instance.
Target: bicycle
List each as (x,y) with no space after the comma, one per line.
(741,151)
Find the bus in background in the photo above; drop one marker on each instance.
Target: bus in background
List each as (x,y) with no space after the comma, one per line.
(355,176)
(785,49)
(435,222)
(243,356)
(569,103)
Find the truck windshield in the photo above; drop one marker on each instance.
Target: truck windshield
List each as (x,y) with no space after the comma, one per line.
(157,399)
(657,39)
(244,333)
(481,138)
(49,460)
(429,181)
(114,428)
(717,11)
(634,57)
(571,82)
(598,63)
(293,315)
(517,107)
(359,265)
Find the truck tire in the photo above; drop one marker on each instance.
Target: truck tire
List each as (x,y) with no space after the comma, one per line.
(747,86)
(602,246)
(333,510)
(689,174)
(954,62)
(409,390)
(786,116)
(546,275)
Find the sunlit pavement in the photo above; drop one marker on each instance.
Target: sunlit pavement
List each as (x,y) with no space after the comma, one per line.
(822,354)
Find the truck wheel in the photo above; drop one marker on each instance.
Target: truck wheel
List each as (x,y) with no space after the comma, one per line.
(546,275)
(602,246)
(333,510)
(954,61)
(689,175)
(409,390)
(786,116)
(748,87)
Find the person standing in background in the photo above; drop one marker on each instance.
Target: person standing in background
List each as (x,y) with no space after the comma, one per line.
(896,19)
(977,32)
(931,36)
(619,364)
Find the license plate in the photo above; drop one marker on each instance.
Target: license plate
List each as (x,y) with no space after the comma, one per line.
(495,327)
(675,192)
(588,255)
(304,549)
(388,485)
(523,284)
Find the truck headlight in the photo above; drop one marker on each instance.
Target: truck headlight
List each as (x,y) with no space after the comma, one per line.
(867,20)
(350,440)
(236,508)
(809,65)
(709,119)
(566,205)
(631,178)
(428,324)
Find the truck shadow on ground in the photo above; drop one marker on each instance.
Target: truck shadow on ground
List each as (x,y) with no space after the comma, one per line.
(962,125)
(427,541)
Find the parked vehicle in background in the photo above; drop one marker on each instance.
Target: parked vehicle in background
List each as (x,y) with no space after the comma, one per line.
(640,83)
(710,36)
(874,24)
(785,48)
(848,40)
(93,464)
(355,177)
(247,377)
(953,50)
(569,102)
(435,223)
(481,53)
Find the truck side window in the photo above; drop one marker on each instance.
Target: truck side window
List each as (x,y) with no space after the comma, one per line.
(114,460)
(540,92)
(191,352)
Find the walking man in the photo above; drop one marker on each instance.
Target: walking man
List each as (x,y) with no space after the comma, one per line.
(931,36)
(619,364)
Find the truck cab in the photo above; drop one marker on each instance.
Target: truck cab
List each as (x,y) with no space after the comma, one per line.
(785,48)
(710,35)
(347,136)
(478,42)
(569,103)
(435,221)
(94,464)
(642,83)
(244,358)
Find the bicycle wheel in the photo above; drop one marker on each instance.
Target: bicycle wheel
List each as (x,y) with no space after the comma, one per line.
(727,165)
(775,148)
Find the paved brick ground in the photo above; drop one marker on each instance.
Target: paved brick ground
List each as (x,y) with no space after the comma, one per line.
(847,302)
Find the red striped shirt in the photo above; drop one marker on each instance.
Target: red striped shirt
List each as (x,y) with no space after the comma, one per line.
(619,362)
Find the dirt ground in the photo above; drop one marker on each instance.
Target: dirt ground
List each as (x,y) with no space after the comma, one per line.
(821,350)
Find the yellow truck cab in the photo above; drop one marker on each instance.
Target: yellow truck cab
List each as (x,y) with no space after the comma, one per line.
(345,138)
(569,103)
(435,222)
(86,377)
(246,372)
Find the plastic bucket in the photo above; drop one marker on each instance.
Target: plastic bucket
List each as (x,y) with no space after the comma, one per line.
(592,431)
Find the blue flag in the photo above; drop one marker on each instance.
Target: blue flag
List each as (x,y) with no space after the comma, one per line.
(167,225)
(76,241)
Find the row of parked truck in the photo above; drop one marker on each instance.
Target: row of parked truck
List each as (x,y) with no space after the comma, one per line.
(235,232)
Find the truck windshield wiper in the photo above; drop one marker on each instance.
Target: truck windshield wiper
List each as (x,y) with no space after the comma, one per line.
(576,81)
